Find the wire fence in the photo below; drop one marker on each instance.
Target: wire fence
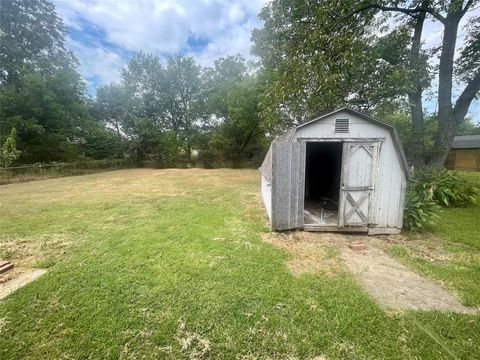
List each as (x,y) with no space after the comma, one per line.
(58,169)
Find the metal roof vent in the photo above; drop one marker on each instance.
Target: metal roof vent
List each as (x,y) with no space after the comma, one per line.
(342,126)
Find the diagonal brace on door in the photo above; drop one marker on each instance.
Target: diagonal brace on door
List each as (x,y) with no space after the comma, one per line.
(356,206)
(367,148)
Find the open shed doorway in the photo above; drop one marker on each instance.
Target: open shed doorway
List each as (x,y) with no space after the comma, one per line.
(323,170)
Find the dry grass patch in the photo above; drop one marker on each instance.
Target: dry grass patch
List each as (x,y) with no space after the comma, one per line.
(36,251)
(29,253)
(3,323)
(191,343)
(311,252)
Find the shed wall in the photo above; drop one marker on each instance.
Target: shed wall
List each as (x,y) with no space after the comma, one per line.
(391,183)
(267,196)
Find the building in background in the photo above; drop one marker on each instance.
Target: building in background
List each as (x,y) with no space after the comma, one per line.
(465,153)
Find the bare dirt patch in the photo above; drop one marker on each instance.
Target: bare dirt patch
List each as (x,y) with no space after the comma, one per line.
(389,282)
(21,278)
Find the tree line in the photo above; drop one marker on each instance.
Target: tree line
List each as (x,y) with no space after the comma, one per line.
(178,112)
(311,57)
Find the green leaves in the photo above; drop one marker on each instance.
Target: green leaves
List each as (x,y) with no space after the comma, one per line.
(49,113)
(447,188)
(8,151)
(431,189)
(319,56)
(468,64)
(32,39)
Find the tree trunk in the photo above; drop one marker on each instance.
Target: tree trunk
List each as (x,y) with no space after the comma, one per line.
(447,124)
(415,96)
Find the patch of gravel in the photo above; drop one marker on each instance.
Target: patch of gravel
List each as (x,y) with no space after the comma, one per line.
(22,279)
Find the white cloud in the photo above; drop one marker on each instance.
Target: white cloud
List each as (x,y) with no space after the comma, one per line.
(159,27)
(97,62)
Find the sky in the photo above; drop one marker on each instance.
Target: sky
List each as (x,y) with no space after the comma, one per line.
(104,34)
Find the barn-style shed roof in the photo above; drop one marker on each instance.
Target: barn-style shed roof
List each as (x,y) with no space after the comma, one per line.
(266,168)
(466,142)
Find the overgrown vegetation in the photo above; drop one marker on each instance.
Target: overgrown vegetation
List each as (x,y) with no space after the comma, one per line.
(429,190)
(171,264)
(8,151)
(420,209)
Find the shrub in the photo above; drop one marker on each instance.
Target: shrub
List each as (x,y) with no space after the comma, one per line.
(420,209)
(447,188)
(429,190)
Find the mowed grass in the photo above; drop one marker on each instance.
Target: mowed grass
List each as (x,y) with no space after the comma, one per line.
(449,251)
(171,264)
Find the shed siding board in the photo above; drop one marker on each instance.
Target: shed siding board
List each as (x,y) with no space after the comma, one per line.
(288,179)
(387,202)
(267,196)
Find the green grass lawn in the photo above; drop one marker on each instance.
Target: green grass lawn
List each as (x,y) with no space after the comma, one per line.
(171,264)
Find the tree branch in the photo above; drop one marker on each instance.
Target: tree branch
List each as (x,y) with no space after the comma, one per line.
(411,12)
(466,98)
(467,6)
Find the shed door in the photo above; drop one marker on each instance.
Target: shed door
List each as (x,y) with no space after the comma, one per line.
(288,181)
(358,183)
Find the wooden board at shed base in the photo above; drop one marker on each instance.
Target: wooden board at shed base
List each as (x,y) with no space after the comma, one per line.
(346,229)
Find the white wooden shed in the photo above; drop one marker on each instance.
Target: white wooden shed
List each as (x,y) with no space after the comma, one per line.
(343,171)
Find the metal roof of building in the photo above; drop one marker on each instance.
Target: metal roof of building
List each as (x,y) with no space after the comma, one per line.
(466,142)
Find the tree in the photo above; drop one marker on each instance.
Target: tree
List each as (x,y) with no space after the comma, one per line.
(234,128)
(9,152)
(48,113)
(468,127)
(218,81)
(41,94)
(184,106)
(32,39)
(312,66)
(110,106)
(156,107)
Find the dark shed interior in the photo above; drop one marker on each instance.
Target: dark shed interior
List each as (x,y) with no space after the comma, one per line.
(323,167)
